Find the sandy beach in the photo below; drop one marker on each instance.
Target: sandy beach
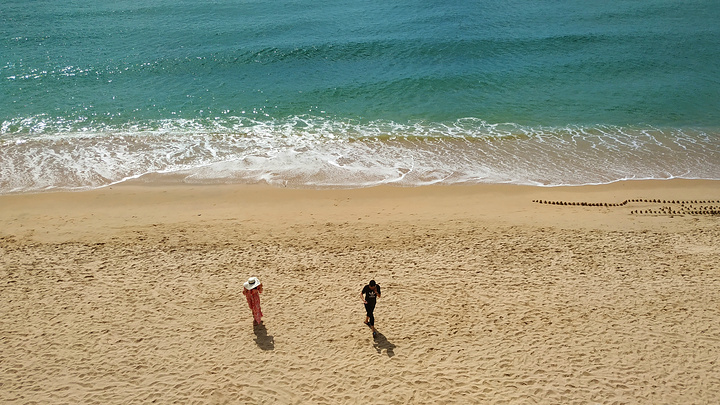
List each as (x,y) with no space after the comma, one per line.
(495,294)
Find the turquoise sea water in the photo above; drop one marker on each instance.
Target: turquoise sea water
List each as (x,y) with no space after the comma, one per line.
(353,94)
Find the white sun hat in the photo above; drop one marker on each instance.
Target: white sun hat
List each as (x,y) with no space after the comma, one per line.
(251,283)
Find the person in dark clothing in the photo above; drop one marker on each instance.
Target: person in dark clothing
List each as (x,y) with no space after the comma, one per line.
(369,295)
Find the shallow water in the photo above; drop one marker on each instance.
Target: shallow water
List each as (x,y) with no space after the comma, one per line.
(355,94)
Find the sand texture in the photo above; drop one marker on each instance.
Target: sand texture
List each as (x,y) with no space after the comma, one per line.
(132,295)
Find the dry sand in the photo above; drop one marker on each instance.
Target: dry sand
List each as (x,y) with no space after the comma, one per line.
(132,294)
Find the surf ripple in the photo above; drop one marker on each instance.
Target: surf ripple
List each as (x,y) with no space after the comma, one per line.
(309,151)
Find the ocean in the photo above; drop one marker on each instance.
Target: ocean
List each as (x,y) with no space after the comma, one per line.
(346,94)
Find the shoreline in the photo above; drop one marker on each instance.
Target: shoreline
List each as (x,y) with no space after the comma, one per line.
(68,215)
(132,293)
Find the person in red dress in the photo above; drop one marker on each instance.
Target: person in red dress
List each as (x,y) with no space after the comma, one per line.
(252,289)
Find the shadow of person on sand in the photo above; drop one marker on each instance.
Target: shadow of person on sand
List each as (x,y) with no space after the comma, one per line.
(262,339)
(381,343)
